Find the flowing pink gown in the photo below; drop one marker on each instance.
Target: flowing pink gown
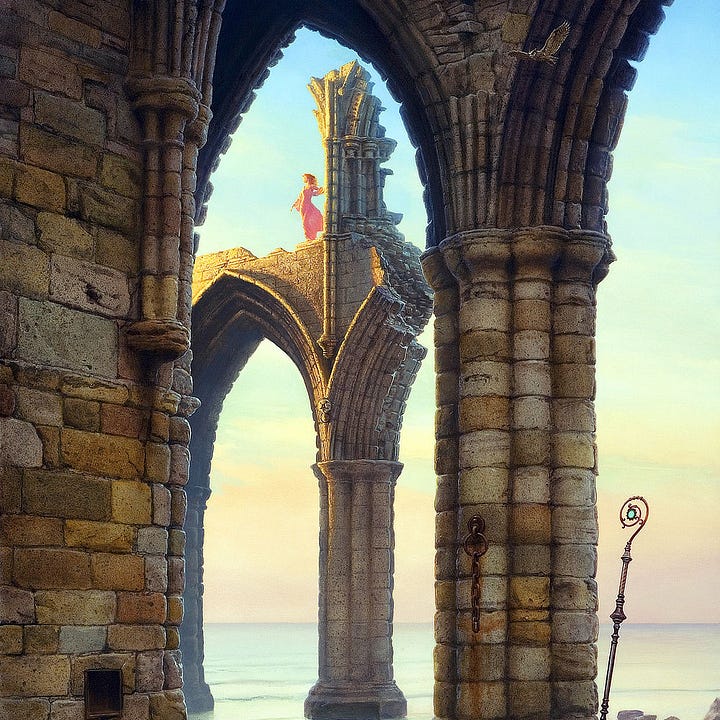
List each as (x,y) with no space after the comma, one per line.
(312,218)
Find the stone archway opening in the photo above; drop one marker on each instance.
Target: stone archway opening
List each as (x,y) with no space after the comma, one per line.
(244,339)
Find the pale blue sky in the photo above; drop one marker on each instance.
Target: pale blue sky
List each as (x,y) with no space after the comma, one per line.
(658,348)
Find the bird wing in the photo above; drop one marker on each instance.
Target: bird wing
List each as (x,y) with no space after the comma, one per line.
(555,39)
(518,53)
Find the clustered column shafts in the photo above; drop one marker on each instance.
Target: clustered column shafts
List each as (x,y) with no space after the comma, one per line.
(356,567)
(170,86)
(523,391)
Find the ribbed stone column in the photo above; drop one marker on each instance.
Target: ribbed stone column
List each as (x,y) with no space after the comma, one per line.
(447,365)
(197,692)
(522,390)
(355,615)
(481,263)
(573,596)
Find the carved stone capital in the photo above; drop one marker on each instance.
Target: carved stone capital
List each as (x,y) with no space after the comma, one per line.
(586,256)
(435,270)
(536,252)
(164,93)
(162,339)
(197,129)
(478,255)
(355,471)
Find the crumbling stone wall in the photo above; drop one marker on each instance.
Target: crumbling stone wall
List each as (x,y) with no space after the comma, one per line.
(104,109)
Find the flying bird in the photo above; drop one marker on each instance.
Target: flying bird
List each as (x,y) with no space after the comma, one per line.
(547,52)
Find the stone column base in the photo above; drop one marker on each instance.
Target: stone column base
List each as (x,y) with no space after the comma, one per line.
(359,701)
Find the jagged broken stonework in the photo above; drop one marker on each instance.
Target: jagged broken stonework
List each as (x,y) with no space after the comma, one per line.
(346,308)
(113,115)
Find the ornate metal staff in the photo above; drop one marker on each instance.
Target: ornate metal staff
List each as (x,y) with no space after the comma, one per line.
(634,512)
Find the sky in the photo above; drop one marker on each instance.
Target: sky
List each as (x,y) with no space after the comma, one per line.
(658,342)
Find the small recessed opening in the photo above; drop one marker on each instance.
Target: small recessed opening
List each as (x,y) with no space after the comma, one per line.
(103,694)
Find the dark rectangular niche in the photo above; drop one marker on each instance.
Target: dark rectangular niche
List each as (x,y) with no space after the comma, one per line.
(103,694)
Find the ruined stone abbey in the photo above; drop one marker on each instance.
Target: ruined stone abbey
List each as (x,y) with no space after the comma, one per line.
(117,348)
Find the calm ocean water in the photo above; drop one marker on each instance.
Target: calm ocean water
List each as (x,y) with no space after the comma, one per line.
(263,672)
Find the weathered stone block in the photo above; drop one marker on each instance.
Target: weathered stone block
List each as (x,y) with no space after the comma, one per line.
(141,608)
(81,414)
(120,420)
(70,607)
(53,71)
(93,389)
(136,637)
(175,609)
(490,696)
(67,710)
(75,640)
(575,525)
(117,572)
(528,663)
(532,559)
(529,699)
(121,174)
(54,335)
(575,698)
(484,448)
(117,250)
(20,444)
(38,407)
(24,270)
(110,537)
(24,709)
(110,455)
(88,286)
(529,592)
(16,226)
(530,632)
(51,568)
(578,560)
(574,627)
(530,525)
(53,152)
(149,671)
(169,705)
(574,381)
(131,503)
(30,530)
(152,541)
(485,378)
(485,412)
(161,503)
(16,606)
(574,662)
(42,639)
(66,495)
(575,450)
(63,235)
(483,485)
(40,188)
(34,675)
(8,328)
(107,208)
(11,639)
(69,118)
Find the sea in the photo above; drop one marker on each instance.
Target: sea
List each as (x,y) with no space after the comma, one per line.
(264,671)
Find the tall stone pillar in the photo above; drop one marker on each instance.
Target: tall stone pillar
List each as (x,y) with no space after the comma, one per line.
(356,575)
(197,692)
(522,392)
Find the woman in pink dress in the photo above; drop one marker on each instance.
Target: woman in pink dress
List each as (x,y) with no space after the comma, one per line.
(312,218)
